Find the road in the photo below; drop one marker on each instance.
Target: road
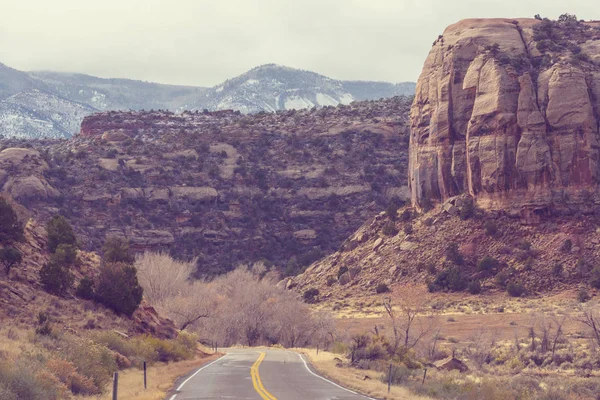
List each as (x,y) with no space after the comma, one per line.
(260,374)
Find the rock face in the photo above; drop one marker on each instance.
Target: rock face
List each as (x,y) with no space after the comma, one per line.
(507,111)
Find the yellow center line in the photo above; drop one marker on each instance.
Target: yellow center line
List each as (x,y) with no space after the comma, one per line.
(257,383)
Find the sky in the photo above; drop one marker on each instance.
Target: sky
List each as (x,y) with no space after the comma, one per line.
(204,42)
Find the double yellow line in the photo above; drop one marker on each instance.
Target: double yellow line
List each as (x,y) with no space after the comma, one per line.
(258,386)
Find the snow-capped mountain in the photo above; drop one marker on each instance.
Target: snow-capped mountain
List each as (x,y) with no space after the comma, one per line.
(273,87)
(53,104)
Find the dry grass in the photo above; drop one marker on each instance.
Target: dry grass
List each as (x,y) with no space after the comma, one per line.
(161,377)
(354,379)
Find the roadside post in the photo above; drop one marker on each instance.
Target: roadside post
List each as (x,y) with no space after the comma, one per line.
(115,385)
(145,381)
(390,377)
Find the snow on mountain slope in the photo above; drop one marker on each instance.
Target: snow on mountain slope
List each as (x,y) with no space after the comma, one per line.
(273,87)
(53,104)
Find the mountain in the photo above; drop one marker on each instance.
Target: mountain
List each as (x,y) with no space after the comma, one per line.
(273,87)
(225,187)
(508,111)
(53,104)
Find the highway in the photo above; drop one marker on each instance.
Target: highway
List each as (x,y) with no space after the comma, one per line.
(259,374)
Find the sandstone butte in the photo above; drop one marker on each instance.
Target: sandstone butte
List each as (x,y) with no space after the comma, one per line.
(508,111)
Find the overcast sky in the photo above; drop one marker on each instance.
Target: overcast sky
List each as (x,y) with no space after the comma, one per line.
(203,42)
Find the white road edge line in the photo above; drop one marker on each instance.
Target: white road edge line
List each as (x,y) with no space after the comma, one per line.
(327,380)
(194,374)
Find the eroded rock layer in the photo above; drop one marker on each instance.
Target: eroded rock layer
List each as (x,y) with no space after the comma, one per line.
(508,112)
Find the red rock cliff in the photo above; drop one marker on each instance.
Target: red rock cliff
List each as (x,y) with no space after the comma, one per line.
(508,111)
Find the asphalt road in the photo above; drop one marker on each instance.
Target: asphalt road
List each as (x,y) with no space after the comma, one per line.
(246,374)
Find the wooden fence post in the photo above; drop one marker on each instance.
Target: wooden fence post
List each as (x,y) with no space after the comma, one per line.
(145,381)
(115,385)
(390,378)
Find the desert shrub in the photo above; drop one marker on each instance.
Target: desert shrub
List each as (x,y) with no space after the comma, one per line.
(392,211)
(341,271)
(65,255)
(408,228)
(85,289)
(431,269)
(24,380)
(566,246)
(9,256)
(116,250)
(136,349)
(406,215)
(389,229)
(331,280)
(515,289)
(595,278)
(93,361)
(118,288)
(524,245)
(171,350)
(491,229)
(60,232)
(474,287)
(382,288)
(467,210)
(453,254)
(557,269)
(451,279)
(10,227)
(43,326)
(502,278)
(400,374)
(56,278)
(311,295)
(487,263)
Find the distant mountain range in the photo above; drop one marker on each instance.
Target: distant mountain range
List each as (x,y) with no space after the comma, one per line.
(53,104)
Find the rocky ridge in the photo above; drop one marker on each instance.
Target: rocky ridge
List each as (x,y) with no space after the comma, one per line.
(287,187)
(508,111)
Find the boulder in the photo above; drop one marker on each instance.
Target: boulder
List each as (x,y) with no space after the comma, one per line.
(377,244)
(30,187)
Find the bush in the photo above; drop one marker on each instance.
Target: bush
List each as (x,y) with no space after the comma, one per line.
(399,376)
(408,228)
(467,210)
(310,296)
(515,289)
(179,349)
(595,278)
(85,289)
(474,287)
(491,229)
(487,264)
(453,254)
(43,326)
(566,246)
(56,278)
(65,255)
(382,288)
(9,256)
(10,227)
(331,280)
(502,278)
(557,269)
(25,380)
(136,349)
(342,271)
(116,250)
(59,232)
(118,288)
(451,279)
(389,229)
(582,295)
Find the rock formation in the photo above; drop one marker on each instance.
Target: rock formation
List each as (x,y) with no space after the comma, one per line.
(507,111)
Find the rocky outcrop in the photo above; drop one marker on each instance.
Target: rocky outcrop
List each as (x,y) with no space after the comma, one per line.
(507,111)
(22,174)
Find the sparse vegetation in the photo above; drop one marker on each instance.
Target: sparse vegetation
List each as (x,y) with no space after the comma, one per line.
(9,256)
(515,289)
(60,232)
(10,227)
(382,288)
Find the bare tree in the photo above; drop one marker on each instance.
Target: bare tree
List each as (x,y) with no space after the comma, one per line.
(590,317)
(407,328)
(161,276)
(481,345)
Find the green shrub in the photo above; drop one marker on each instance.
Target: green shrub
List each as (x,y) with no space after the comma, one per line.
(118,288)
(502,278)
(474,287)
(515,289)
(451,279)
(10,227)
(487,264)
(524,245)
(311,295)
(382,288)
(595,278)
(65,255)
(557,269)
(136,349)
(400,374)
(9,256)
(453,254)
(85,289)
(389,229)
(583,295)
(566,246)
(342,271)
(25,380)
(94,361)
(491,229)
(171,350)
(116,250)
(60,232)
(331,280)
(468,209)
(56,278)
(43,326)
